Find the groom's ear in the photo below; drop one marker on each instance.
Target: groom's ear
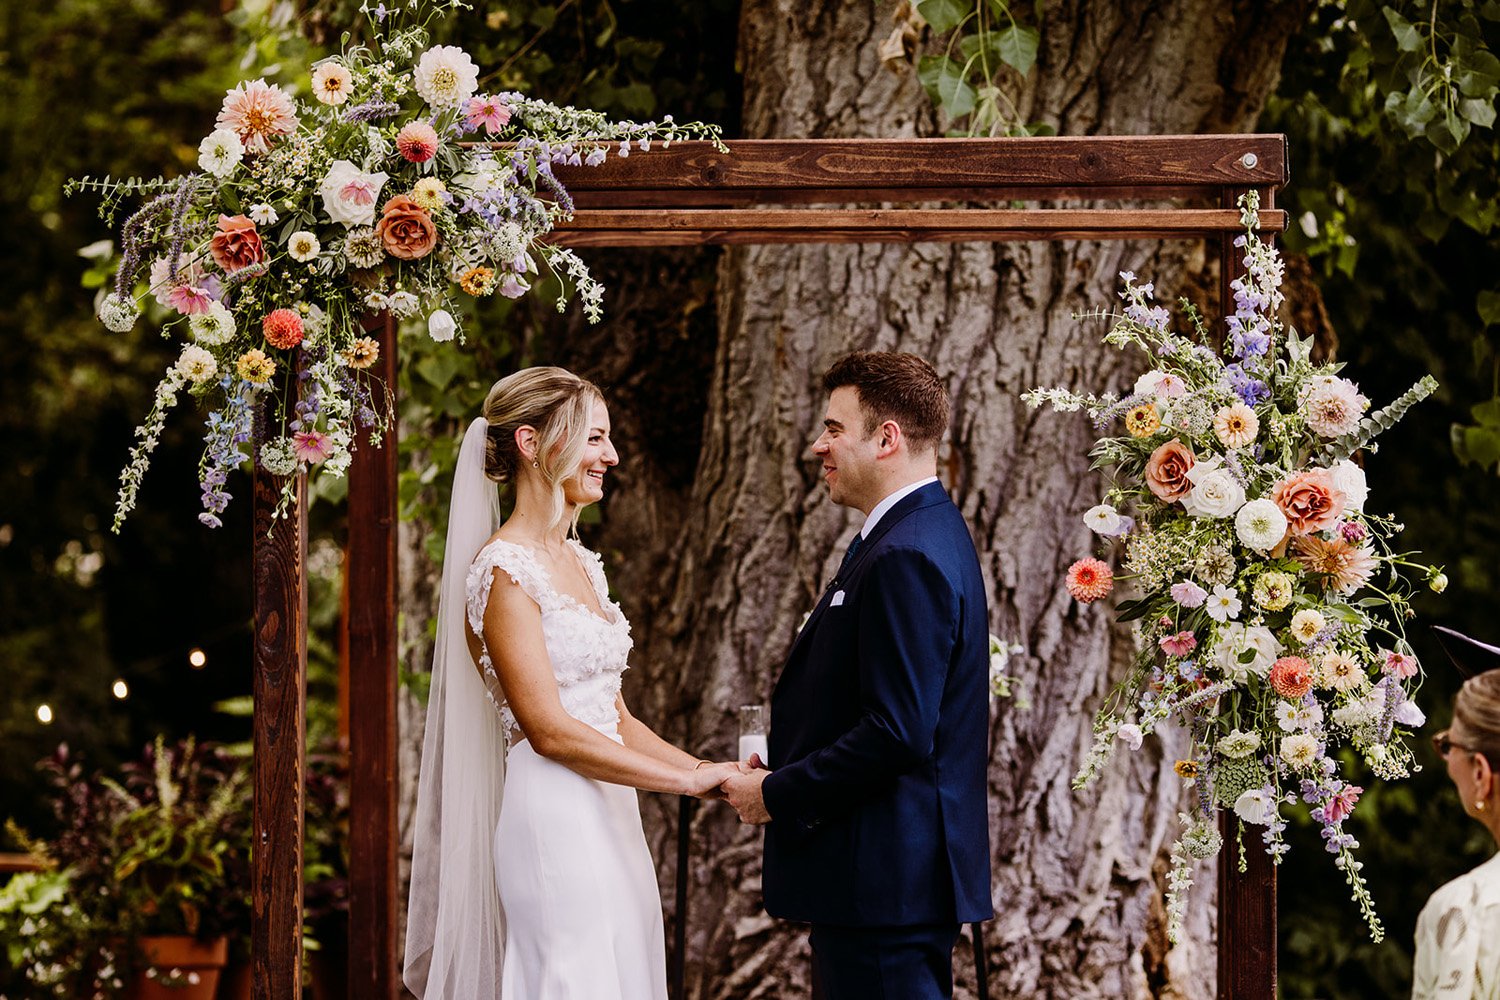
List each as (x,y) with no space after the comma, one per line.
(889,438)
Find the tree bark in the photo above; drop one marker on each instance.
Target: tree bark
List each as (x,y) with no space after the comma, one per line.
(716,576)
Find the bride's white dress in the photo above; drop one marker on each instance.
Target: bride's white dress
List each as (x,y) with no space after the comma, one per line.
(576,881)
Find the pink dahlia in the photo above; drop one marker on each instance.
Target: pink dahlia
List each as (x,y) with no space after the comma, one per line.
(417,142)
(491,112)
(1090,579)
(258,112)
(311,446)
(283,329)
(1291,676)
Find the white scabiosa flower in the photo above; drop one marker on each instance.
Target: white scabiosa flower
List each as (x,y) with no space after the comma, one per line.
(1306,624)
(1260,524)
(445,76)
(441,326)
(303,246)
(1239,744)
(213,327)
(377,302)
(196,365)
(262,214)
(220,152)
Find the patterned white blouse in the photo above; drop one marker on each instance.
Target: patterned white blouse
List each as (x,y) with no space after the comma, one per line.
(1458,939)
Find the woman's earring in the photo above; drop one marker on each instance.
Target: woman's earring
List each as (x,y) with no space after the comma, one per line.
(1480,805)
(535,464)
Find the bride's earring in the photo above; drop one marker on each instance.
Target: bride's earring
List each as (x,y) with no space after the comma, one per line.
(535,464)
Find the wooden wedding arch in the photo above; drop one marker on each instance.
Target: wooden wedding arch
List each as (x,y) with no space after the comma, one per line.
(760,191)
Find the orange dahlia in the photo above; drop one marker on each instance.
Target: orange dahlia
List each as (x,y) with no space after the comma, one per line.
(283,329)
(1089,580)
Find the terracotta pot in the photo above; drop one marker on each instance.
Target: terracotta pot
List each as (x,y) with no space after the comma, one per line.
(178,967)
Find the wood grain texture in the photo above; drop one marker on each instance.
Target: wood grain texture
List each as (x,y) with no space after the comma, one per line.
(280,697)
(371,575)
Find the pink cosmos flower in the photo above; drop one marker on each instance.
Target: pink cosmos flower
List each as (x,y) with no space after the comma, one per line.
(1180,644)
(488,111)
(1400,665)
(1089,580)
(1339,808)
(1189,594)
(258,112)
(194,291)
(311,446)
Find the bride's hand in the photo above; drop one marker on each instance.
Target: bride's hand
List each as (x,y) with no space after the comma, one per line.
(705,779)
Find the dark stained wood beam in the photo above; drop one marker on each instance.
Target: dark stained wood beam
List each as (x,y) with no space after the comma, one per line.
(370,573)
(280,724)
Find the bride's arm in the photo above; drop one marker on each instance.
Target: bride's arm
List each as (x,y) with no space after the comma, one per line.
(513,635)
(640,737)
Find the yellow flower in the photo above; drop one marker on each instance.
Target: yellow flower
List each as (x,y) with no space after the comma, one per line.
(1188,769)
(428,193)
(1142,421)
(478,281)
(254,367)
(1236,426)
(363,353)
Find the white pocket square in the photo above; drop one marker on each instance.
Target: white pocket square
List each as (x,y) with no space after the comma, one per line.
(838,598)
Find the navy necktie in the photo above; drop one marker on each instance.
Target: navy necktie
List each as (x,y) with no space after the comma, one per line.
(849,555)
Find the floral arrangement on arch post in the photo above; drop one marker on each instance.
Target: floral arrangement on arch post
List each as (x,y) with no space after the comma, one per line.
(1270,604)
(381,194)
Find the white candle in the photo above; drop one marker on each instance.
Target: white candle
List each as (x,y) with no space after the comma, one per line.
(754,743)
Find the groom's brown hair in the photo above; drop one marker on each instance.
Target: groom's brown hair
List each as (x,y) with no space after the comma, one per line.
(893,385)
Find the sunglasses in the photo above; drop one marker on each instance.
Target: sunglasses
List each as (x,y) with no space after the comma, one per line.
(1444,746)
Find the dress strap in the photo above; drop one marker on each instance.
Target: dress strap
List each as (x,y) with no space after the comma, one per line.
(517,562)
(593,565)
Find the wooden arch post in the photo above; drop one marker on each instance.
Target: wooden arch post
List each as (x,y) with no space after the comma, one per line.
(691,194)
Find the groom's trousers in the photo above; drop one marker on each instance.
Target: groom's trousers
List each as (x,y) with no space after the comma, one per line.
(883,963)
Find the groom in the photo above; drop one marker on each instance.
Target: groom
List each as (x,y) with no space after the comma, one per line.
(875,800)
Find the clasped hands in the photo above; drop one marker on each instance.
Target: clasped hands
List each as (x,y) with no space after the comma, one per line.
(738,782)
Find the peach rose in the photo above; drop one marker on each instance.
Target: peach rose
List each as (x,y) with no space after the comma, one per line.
(1309,500)
(237,243)
(406,229)
(1167,469)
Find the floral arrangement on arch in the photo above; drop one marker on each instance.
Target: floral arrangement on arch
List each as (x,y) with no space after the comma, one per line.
(1269,603)
(380,194)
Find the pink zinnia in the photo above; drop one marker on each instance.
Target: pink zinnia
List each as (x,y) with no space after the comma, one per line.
(417,142)
(1401,665)
(1180,644)
(257,112)
(490,112)
(311,446)
(1340,806)
(283,329)
(1090,579)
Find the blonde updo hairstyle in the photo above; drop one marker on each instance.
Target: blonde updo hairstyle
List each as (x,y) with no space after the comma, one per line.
(558,405)
(1476,715)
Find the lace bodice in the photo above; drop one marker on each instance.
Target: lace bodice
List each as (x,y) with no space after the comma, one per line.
(588,653)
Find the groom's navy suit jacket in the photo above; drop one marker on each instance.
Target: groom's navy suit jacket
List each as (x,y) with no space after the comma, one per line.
(879,735)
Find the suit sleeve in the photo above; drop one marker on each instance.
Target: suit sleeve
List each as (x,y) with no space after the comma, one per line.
(908,621)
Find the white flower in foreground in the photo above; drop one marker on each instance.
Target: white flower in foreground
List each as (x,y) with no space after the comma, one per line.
(1301,751)
(220,152)
(196,365)
(262,214)
(214,327)
(440,326)
(1130,734)
(1306,624)
(1223,604)
(445,76)
(1215,492)
(1239,744)
(1332,406)
(1102,520)
(1294,715)
(403,304)
(1161,384)
(332,82)
(1235,640)
(118,314)
(1349,479)
(1260,524)
(303,246)
(349,194)
(1255,806)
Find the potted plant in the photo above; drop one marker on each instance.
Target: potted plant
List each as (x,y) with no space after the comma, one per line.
(51,946)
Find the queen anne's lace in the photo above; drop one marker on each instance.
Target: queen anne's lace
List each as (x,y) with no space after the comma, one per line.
(588,653)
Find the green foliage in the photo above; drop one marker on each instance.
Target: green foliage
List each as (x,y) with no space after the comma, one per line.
(987,56)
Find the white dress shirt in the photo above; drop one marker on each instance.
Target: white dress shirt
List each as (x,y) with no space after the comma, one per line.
(891,501)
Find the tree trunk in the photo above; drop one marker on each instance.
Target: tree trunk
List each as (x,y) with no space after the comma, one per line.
(716,576)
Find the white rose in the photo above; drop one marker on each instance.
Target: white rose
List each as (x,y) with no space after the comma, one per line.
(440,326)
(1215,492)
(1260,524)
(1255,806)
(1235,640)
(350,195)
(1349,479)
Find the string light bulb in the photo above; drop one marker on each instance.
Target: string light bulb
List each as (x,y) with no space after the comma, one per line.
(44,714)
(197,658)
(121,689)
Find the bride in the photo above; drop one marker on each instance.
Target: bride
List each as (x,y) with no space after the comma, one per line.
(546,892)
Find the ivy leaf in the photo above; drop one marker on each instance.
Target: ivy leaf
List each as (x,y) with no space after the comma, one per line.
(1481,113)
(943,79)
(944,15)
(1018,47)
(1408,38)
(1489,307)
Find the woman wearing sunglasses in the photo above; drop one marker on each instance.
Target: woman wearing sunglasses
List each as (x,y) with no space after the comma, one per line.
(1458,933)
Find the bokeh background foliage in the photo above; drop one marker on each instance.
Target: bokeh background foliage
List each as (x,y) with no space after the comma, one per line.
(1393,200)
